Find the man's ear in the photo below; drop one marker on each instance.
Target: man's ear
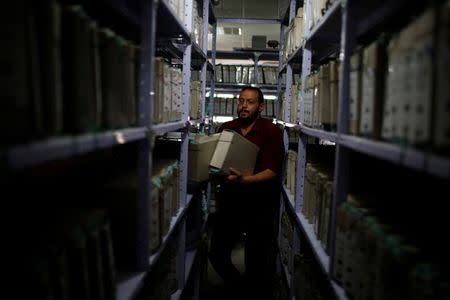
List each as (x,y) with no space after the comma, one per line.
(261,107)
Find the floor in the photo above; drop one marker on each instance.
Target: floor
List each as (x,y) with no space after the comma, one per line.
(213,288)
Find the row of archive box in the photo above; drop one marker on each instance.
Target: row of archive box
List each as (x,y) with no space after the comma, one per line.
(293,116)
(178,7)
(317,11)
(293,36)
(245,74)
(377,253)
(195,103)
(161,281)
(286,241)
(168,101)
(375,260)
(197,22)
(294,33)
(165,199)
(321,97)
(164,205)
(63,73)
(317,194)
(229,106)
(167,105)
(308,281)
(397,86)
(69,255)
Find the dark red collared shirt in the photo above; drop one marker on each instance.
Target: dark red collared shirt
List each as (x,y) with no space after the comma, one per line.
(268,137)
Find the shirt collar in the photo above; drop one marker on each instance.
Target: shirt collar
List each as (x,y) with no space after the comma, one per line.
(256,127)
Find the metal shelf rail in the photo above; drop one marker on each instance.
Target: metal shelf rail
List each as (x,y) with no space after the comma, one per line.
(56,148)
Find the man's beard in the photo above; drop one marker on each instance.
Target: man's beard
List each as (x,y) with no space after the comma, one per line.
(250,118)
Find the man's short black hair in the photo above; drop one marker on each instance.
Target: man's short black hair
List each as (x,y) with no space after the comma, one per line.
(256,89)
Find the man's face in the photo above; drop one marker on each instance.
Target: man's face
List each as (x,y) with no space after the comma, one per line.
(248,106)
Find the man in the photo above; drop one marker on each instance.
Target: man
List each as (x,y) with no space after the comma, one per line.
(250,203)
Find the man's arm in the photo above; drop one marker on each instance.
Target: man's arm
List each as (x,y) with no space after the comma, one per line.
(237,177)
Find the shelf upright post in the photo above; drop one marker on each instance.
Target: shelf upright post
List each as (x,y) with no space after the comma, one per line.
(280,75)
(348,40)
(287,105)
(146,98)
(206,6)
(186,92)
(213,78)
(255,62)
(204,48)
(301,151)
(205,14)
(288,94)
(287,114)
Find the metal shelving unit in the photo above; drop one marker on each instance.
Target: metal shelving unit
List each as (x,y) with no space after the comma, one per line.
(345,24)
(169,25)
(308,230)
(175,222)
(326,35)
(153,21)
(253,54)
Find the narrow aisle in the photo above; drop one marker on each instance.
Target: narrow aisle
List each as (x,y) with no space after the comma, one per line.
(213,288)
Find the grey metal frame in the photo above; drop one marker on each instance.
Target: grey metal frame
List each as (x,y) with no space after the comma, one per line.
(352,25)
(146,96)
(154,13)
(213,78)
(147,93)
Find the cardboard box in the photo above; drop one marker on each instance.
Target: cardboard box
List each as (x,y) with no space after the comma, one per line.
(234,150)
(167,93)
(372,90)
(201,150)
(176,83)
(393,89)
(324,94)
(158,99)
(294,104)
(334,92)
(441,122)
(308,102)
(293,170)
(355,93)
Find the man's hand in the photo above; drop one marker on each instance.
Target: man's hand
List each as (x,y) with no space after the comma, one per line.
(234,177)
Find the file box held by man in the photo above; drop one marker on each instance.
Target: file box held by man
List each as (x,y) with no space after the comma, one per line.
(233,150)
(201,149)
